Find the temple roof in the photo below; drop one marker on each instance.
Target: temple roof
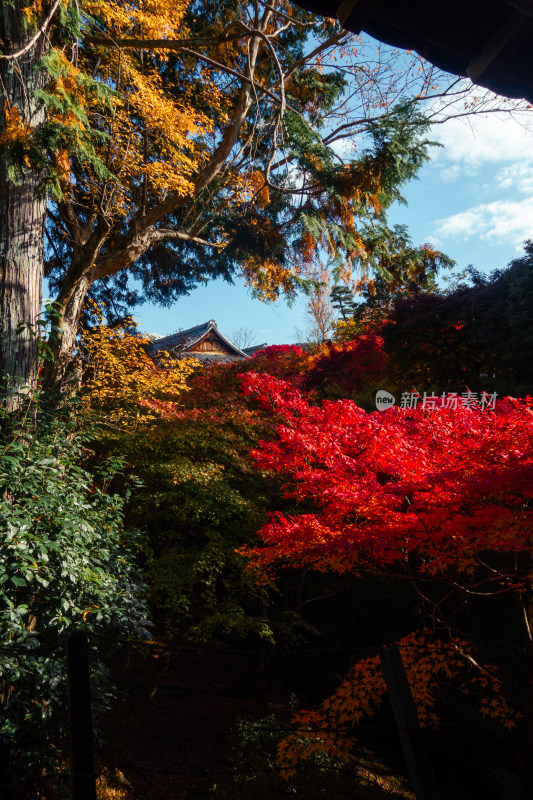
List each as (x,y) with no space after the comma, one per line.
(250,351)
(184,342)
(488,41)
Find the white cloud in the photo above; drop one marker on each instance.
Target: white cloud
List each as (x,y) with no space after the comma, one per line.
(497,149)
(495,137)
(501,220)
(518,176)
(450,174)
(487,139)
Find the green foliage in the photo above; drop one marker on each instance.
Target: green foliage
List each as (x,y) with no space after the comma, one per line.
(342,299)
(68,128)
(68,131)
(308,149)
(399,144)
(66,563)
(200,500)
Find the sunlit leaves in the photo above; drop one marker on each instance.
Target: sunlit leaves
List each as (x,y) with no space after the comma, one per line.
(439,497)
(124,383)
(442,485)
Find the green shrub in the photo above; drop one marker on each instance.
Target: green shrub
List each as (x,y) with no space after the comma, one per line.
(66,563)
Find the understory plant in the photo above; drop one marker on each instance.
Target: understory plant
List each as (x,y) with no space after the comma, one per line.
(66,563)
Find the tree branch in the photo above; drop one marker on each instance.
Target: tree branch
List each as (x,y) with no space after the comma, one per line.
(233,72)
(160,44)
(34,39)
(164,233)
(140,236)
(335,39)
(279,13)
(181,45)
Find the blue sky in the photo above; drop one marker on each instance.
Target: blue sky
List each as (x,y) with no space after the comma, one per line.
(474,201)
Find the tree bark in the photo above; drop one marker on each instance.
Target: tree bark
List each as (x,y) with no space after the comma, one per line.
(62,344)
(21,217)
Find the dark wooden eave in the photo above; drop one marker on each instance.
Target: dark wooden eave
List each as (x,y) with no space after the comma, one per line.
(489,41)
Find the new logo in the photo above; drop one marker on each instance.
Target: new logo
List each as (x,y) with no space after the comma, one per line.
(384,400)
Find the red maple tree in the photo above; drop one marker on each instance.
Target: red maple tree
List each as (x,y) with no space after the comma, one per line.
(440,497)
(433,489)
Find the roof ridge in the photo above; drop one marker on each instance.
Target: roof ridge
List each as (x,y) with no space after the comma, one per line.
(188,337)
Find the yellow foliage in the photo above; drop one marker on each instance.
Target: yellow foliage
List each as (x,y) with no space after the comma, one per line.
(267,277)
(32,12)
(260,190)
(346,330)
(157,138)
(155,19)
(145,118)
(125,384)
(112,787)
(16,130)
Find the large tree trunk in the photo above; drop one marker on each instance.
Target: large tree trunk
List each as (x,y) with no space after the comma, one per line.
(21,217)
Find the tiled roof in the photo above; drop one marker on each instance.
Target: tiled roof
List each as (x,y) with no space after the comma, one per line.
(185,340)
(251,350)
(209,358)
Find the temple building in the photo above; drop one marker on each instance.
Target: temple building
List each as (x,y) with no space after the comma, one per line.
(203,342)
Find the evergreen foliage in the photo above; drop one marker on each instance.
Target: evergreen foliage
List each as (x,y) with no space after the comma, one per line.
(67,563)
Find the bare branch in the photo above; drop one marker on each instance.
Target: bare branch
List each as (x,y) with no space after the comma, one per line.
(335,39)
(233,72)
(282,14)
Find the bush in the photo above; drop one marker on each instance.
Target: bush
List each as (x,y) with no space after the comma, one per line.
(66,563)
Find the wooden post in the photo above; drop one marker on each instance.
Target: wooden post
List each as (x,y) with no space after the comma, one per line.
(411,736)
(81,730)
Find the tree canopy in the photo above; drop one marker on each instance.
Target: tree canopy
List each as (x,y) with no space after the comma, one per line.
(439,497)
(180,142)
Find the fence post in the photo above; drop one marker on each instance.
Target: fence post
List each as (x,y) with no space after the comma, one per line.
(411,735)
(81,729)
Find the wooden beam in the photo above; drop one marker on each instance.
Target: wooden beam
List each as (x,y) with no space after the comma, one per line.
(482,61)
(354,14)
